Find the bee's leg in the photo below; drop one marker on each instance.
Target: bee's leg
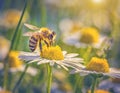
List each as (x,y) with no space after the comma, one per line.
(40,46)
(46,43)
(51,43)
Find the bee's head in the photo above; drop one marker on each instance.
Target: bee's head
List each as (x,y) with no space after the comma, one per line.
(52,37)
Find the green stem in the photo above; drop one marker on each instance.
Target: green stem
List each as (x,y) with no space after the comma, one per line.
(94,84)
(20,79)
(87,54)
(49,79)
(6,67)
(78,84)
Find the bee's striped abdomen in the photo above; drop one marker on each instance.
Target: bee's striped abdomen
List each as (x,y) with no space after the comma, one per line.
(33,43)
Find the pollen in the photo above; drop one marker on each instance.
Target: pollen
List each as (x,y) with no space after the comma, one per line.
(98,65)
(52,53)
(99,91)
(89,35)
(13,60)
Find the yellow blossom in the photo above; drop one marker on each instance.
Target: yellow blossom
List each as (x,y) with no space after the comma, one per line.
(89,35)
(98,64)
(99,91)
(14,61)
(53,53)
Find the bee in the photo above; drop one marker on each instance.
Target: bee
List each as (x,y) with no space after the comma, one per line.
(40,34)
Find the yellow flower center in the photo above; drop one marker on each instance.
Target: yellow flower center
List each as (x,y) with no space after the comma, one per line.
(99,91)
(14,61)
(52,53)
(98,64)
(89,35)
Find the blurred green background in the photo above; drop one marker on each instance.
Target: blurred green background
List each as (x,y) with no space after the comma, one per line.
(67,18)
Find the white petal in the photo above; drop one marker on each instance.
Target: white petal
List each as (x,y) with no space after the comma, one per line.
(71,55)
(29,53)
(74,59)
(77,65)
(64,53)
(115,73)
(52,63)
(44,61)
(28,58)
(74,71)
(84,72)
(114,70)
(62,66)
(68,65)
(35,60)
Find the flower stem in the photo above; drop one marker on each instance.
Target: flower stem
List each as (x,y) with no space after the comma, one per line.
(87,54)
(94,84)
(78,84)
(6,67)
(49,79)
(20,79)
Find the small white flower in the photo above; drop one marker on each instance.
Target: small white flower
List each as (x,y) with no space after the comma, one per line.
(98,66)
(31,71)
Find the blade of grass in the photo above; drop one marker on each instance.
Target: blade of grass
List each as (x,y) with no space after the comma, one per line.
(11,48)
(17,28)
(20,79)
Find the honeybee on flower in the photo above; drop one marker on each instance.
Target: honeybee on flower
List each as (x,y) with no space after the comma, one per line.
(40,34)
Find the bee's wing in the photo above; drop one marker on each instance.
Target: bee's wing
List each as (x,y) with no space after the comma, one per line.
(28,34)
(31,27)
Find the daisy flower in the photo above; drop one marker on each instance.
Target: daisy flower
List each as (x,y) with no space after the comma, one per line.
(15,64)
(89,36)
(53,55)
(76,35)
(98,66)
(10,18)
